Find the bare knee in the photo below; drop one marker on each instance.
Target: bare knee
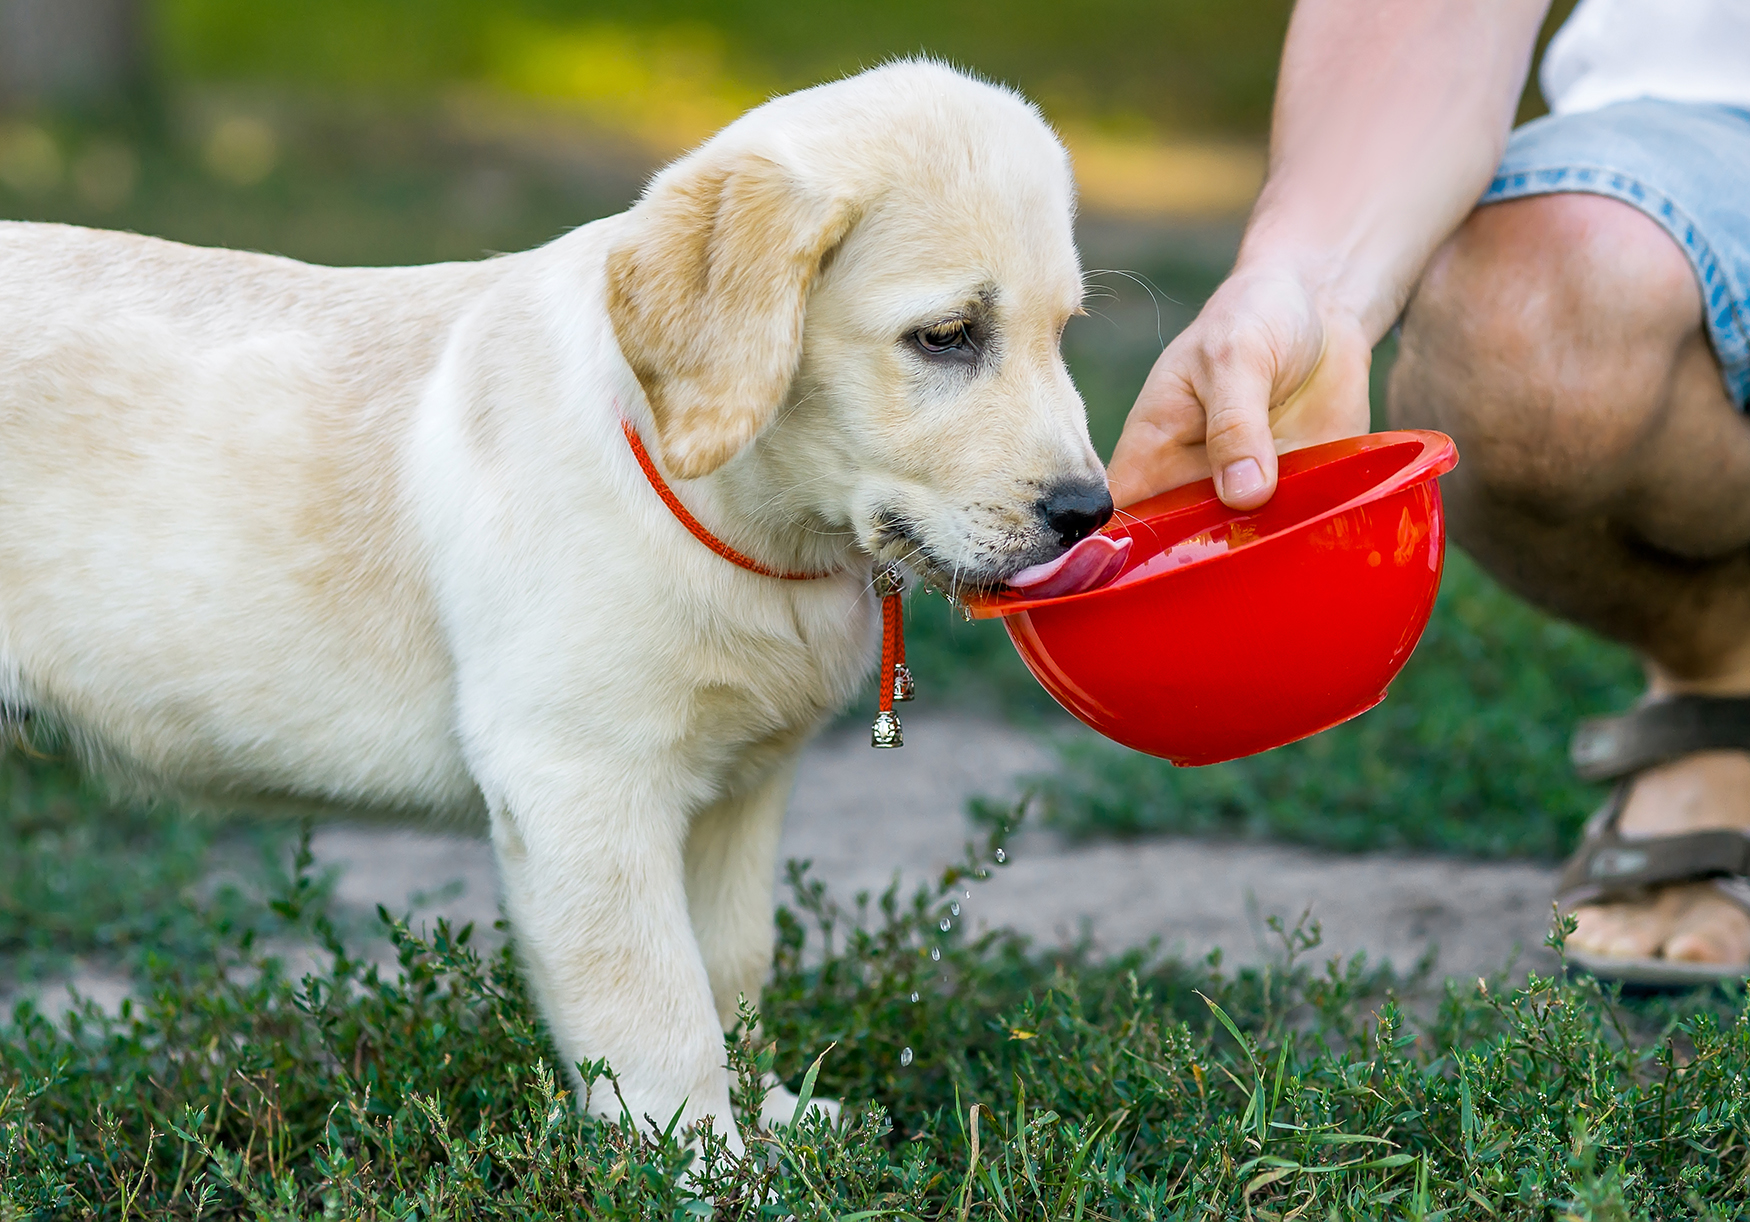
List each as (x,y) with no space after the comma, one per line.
(1543,337)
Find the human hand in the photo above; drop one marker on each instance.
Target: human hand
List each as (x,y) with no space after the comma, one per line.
(1264,369)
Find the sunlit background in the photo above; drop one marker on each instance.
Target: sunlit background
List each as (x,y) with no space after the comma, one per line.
(394,131)
(1163,103)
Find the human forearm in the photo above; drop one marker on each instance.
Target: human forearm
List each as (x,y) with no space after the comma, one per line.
(1389,119)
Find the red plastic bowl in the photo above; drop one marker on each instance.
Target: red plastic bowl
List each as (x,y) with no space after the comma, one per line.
(1228,633)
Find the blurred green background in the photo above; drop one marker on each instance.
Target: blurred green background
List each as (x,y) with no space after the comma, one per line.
(541,113)
(1190,66)
(390,131)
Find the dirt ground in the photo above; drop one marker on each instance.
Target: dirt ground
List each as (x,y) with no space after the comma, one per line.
(862,815)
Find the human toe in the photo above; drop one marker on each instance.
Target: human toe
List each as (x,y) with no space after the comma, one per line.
(1710,929)
(1633,929)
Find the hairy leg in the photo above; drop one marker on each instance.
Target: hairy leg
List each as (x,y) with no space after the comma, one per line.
(1604,476)
(731,863)
(731,857)
(591,861)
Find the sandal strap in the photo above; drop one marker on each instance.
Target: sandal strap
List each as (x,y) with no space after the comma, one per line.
(1736,889)
(1608,748)
(1609,866)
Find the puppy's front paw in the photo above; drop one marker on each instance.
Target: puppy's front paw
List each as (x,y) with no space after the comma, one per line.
(779,1106)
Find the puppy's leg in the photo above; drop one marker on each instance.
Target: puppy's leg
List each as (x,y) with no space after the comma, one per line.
(731,861)
(593,880)
(732,856)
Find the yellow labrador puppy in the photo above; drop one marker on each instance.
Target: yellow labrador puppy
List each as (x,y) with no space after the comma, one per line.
(374,540)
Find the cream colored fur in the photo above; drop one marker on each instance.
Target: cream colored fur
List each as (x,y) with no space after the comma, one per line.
(372,541)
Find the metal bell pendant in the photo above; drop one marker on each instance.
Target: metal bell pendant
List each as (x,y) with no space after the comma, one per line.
(886,732)
(896,681)
(903,687)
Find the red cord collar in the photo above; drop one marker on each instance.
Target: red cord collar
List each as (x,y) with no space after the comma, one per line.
(896,680)
(693,524)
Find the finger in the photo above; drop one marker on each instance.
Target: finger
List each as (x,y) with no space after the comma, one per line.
(1241,451)
(1204,410)
(1162,443)
(1147,462)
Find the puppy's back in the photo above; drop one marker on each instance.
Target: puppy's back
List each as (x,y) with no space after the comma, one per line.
(199,491)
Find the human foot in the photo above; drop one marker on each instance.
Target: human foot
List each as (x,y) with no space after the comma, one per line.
(1688,922)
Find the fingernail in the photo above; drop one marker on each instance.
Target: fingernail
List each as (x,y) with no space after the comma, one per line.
(1241,479)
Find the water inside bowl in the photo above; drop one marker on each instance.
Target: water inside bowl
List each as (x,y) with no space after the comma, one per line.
(1171,536)
(1216,541)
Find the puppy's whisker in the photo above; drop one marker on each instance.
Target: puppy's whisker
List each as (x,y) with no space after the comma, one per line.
(1155,295)
(789,409)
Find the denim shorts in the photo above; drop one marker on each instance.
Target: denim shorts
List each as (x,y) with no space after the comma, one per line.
(1686,165)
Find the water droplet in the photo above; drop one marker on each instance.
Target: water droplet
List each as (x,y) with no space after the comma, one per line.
(914,999)
(1001,857)
(947,924)
(905,1056)
(936,953)
(954,908)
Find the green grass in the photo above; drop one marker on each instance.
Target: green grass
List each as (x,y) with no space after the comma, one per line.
(1039,1086)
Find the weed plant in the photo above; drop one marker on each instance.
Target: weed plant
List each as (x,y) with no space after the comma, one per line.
(987,1078)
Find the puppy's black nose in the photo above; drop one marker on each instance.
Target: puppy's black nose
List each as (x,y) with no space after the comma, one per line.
(1075,511)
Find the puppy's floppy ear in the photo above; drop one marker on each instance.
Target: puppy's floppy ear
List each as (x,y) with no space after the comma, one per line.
(706,294)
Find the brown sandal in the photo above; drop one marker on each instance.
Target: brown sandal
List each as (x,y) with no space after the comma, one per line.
(1609,866)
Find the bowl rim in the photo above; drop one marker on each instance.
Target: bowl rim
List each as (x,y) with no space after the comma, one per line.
(1437,456)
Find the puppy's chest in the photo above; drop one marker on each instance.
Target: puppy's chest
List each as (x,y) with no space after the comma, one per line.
(780,673)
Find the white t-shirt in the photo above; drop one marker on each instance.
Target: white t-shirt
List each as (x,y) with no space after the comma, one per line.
(1614,50)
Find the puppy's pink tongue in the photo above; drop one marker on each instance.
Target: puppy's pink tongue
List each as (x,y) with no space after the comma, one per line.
(1089,564)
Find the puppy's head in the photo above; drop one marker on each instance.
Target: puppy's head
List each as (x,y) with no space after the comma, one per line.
(857,292)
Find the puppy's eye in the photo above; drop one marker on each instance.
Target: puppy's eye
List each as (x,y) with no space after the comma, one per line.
(942,337)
